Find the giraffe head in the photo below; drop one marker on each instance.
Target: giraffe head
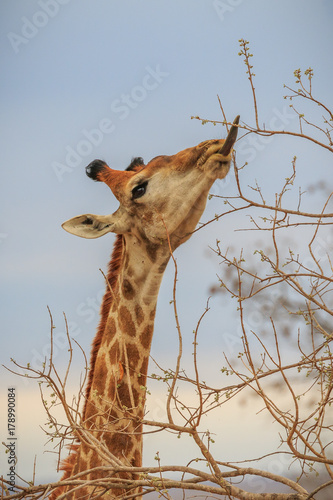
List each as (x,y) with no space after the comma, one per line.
(165,197)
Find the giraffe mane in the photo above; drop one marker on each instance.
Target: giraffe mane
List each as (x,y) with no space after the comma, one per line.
(112,276)
(67,465)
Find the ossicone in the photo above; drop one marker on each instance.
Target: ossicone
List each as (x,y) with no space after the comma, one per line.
(95,169)
(136,164)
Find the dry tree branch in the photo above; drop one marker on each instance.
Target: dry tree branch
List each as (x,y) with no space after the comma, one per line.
(199,412)
(306,428)
(245,51)
(180,339)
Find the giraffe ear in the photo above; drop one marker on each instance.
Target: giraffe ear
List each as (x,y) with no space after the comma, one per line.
(93,226)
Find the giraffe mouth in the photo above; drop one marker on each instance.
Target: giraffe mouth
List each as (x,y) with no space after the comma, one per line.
(231,138)
(224,149)
(210,150)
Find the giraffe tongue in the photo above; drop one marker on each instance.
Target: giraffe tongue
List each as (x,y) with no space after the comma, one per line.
(231,138)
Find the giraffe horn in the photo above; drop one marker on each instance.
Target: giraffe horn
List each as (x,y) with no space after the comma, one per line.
(97,169)
(231,138)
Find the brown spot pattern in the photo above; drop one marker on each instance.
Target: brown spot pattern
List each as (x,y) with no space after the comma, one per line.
(112,390)
(143,370)
(130,271)
(152,251)
(128,290)
(126,323)
(133,356)
(124,395)
(119,444)
(111,327)
(139,314)
(94,459)
(83,464)
(113,416)
(90,413)
(146,336)
(100,374)
(136,460)
(83,492)
(114,353)
(162,267)
(136,396)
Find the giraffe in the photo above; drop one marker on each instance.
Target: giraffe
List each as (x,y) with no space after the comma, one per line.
(160,205)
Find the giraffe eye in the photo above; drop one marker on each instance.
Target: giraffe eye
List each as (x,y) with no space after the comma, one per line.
(139,190)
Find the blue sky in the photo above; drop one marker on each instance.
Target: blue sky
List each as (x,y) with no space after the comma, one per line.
(113,80)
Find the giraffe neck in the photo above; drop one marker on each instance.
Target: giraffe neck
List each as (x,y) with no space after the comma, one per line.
(116,387)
